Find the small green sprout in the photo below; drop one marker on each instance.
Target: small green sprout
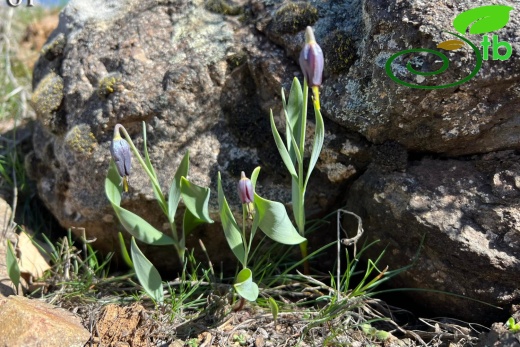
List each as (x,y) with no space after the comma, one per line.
(513,326)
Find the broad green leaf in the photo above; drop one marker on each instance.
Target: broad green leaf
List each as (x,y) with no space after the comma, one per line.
(230,226)
(275,223)
(147,274)
(175,189)
(13,270)
(286,158)
(196,199)
(319,135)
(274,308)
(483,19)
(293,114)
(245,286)
(135,225)
(124,251)
(190,222)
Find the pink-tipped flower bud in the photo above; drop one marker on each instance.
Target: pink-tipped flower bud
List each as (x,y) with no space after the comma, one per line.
(245,189)
(311,59)
(122,155)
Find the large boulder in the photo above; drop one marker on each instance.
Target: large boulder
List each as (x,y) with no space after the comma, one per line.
(203,75)
(466,216)
(202,82)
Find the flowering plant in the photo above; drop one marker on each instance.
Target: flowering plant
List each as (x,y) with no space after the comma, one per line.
(195,199)
(295,112)
(257,213)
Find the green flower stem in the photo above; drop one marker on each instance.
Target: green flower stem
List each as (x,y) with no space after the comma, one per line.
(143,165)
(244,236)
(179,248)
(301,174)
(301,178)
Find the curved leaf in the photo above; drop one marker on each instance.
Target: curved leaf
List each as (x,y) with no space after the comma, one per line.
(319,135)
(175,189)
(451,45)
(254,176)
(124,251)
(147,274)
(196,199)
(293,111)
(135,225)
(483,19)
(274,308)
(275,223)
(13,269)
(230,226)
(245,286)
(286,158)
(190,222)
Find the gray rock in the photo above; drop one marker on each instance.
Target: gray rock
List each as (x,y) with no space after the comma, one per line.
(204,81)
(359,36)
(201,81)
(469,215)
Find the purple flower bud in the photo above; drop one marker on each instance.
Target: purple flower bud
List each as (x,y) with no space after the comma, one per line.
(121,153)
(311,59)
(245,189)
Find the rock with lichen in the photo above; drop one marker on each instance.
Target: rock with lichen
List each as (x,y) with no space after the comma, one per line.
(203,75)
(185,70)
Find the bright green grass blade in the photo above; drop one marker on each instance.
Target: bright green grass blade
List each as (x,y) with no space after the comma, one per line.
(13,269)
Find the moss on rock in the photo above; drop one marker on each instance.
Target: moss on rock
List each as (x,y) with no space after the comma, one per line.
(223,7)
(81,140)
(108,84)
(339,52)
(55,47)
(293,17)
(47,97)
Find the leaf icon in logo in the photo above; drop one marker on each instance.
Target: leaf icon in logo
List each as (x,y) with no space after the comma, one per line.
(483,19)
(451,45)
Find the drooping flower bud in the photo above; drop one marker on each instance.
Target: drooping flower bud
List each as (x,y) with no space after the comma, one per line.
(121,153)
(246,194)
(311,63)
(245,189)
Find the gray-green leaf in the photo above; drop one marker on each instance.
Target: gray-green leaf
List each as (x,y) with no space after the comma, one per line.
(175,189)
(147,274)
(230,226)
(275,223)
(245,286)
(196,199)
(13,270)
(483,19)
(135,225)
